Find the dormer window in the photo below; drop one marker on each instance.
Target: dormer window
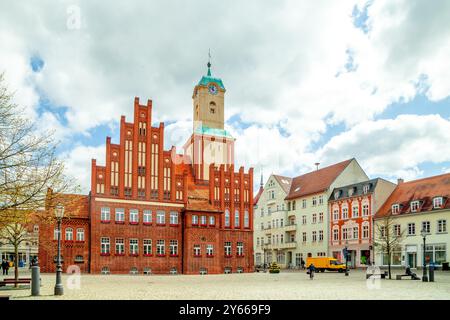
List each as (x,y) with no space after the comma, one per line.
(395,208)
(415,205)
(366,188)
(350,192)
(437,202)
(337,194)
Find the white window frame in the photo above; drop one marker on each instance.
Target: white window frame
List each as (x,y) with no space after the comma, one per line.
(438,202)
(120,214)
(239,248)
(173,217)
(160,217)
(105,245)
(147,216)
(120,246)
(227,248)
(210,249)
(395,208)
(442,226)
(134,215)
(147,247)
(411,226)
(414,206)
(80,234)
(160,247)
(68,236)
(105,214)
(173,247)
(134,246)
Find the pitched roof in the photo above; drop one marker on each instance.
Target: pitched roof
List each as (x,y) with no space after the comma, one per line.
(284,182)
(75,205)
(316,181)
(356,187)
(258,195)
(422,189)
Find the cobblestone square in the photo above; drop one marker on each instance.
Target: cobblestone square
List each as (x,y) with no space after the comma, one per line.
(286,285)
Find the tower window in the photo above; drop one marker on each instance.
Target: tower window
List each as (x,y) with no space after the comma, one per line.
(212,107)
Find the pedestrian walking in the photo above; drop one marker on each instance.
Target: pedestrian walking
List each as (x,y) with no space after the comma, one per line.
(311,270)
(7,267)
(4,266)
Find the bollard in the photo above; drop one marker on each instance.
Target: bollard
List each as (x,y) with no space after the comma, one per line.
(35,280)
(431,273)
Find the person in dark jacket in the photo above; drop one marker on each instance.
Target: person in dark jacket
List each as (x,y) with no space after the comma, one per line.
(5,267)
(311,270)
(302,263)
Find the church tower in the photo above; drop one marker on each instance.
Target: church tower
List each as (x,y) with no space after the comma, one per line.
(210,142)
(208,102)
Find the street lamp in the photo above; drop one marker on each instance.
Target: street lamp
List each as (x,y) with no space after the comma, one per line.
(59,214)
(346,258)
(424,235)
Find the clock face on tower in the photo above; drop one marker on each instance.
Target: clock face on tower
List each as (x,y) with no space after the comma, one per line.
(212,89)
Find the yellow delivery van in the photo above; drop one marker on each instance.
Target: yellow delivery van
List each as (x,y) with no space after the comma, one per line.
(325,263)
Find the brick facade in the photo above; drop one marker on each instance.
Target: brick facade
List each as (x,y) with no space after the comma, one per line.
(140,176)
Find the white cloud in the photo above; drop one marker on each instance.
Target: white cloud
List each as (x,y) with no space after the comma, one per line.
(393,147)
(78,163)
(279,63)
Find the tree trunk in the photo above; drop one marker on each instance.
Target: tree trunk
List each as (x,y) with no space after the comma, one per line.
(16,264)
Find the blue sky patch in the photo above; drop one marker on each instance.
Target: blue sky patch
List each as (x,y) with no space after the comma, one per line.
(36,63)
(360,17)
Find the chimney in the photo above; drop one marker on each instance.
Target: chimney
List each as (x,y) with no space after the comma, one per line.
(317,165)
(400,181)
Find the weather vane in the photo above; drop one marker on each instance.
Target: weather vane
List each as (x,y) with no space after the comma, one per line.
(209,62)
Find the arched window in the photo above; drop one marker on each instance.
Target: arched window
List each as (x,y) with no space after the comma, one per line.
(69,234)
(227,218)
(236,219)
(55,234)
(212,107)
(80,234)
(246,219)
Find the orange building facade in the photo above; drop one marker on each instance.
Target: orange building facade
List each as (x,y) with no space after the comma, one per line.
(152,210)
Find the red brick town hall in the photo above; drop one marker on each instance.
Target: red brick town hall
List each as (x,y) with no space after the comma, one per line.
(158,211)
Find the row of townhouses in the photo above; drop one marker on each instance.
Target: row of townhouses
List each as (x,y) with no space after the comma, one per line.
(324,211)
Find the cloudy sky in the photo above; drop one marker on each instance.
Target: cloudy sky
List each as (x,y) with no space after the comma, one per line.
(307,81)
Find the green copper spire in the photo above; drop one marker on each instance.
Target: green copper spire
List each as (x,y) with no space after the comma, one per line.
(209,63)
(205,80)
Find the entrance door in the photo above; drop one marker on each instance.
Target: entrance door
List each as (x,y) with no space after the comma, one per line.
(289,258)
(412,257)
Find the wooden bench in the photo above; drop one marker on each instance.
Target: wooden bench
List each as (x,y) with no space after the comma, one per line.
(382,275)
(412,276)
(13,281)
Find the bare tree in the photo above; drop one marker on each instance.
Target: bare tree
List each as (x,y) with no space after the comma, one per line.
(28,167)
(387,239)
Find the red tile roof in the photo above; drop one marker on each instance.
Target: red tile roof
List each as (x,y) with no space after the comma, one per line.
(422,189)
(284,182)
(316,181)
(258,195)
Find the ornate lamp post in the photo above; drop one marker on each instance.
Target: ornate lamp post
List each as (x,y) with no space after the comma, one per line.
(424,235)
(59,289)
(346,257)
